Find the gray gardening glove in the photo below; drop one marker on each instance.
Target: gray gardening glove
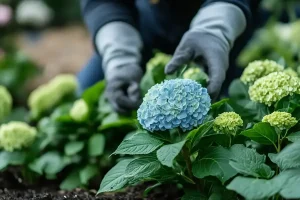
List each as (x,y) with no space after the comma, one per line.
(120,45)
(210,38)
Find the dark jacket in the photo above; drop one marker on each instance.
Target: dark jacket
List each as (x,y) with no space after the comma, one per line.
(99,12)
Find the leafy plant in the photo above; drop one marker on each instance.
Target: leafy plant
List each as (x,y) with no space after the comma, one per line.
(237,148)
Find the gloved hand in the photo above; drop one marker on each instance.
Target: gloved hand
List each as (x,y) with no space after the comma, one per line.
(119,45)
(210,38)
(122,88)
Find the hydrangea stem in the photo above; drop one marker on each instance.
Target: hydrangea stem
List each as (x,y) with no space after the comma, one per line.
(186,156)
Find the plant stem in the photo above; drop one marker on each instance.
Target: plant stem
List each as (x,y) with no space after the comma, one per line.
(186,156)
(279,144)
(187,161)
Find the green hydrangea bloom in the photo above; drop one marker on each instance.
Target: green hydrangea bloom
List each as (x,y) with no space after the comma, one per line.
(195,73)
(16,135)
(79,111)
(291,72)
(273,87)
(48,95)
(159,60)
(258,69)
(5,102)
(228,123)
(281,120)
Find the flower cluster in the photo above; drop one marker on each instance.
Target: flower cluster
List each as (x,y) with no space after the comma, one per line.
(228,123)
(174,103)
(16,135)
(48,95)
(280,120)
(79,111)
(159,60)
(5,102)
(273,87)
(258,69)
(195,73)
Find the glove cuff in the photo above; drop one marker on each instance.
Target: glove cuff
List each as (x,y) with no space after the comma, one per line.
(119,44)
(223,20)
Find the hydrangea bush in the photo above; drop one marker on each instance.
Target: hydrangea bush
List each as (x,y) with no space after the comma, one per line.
(223,155)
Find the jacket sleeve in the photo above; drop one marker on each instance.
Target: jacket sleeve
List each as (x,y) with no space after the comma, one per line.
(97,13)
(246,6)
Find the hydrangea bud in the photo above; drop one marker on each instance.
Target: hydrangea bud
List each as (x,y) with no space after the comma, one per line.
(273,87)
(48,95)
(195,73)
(16,135)
(177,103)
(5,102)
(159,60)
(227,123)
(79,111)
(258,69)
(280,120)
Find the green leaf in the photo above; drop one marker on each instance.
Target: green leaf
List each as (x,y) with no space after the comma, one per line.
(114,120)
(193,195)
(290,181)
(50,163)
(248,109)
(286,184)
(238,90)
(11,158)
(288,104)
(87,173)
(142,168)
(195,135)
(96,145)
(263,133)
(218,104)
(140,143)
(248,162)
(288,158)
(214,162)
(92,94)
(294,137)
(71,182)
(115,178)
(73,148)
(219,139)
(251,188)
(167,153)
(61,111)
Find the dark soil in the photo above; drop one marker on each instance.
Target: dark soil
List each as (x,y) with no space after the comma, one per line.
(12,188)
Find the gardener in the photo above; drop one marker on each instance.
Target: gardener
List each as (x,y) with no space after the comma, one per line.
(125,32)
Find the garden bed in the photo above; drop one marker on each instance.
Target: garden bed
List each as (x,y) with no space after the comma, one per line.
(13,188)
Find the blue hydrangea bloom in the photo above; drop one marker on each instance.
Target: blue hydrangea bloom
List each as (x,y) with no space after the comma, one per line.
(174,103)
